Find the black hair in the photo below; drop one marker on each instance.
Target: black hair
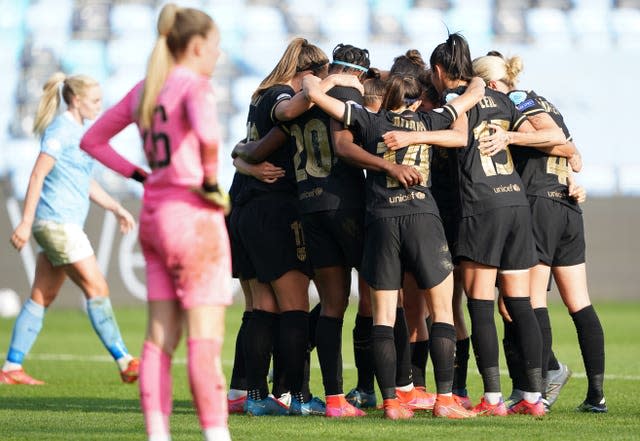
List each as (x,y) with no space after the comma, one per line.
(409,64)
(349,54)
(401,91)
(428,89)
(454,57)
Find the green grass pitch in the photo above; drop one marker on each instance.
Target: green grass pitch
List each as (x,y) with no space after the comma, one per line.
(84,399)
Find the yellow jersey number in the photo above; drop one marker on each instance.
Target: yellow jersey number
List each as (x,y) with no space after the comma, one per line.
(411,156)
(314,140)
(489,164)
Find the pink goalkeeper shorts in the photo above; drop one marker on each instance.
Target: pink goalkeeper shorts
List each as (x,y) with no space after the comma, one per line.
(186,248)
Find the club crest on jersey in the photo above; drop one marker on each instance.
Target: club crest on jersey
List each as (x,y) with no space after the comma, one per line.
(517,96)
(450,96)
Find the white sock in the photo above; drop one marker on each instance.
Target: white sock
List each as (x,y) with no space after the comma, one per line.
(492,397)
(406,388)
(9,366)
(234,394)
(217,434)
(531,397)
(123,362)
(160,437)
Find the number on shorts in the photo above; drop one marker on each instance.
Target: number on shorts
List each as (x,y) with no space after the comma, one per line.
(560,167)
(159,154)
(489,164)
(411,156)
(314,140)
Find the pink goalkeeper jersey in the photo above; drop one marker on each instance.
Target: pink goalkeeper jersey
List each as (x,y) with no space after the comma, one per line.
(182,144)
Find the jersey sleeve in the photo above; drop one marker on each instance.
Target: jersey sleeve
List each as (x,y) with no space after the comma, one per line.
(440,118)
(526,102)
(276,96)
(96,140)
(517,118)
(52,142)
(200,104)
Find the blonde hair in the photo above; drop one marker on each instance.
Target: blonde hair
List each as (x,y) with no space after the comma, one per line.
(300,55)
(59,84)
(176,27)
(496,68)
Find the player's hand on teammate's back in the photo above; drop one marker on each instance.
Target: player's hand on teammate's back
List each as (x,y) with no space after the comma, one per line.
(397,139)
(406,175)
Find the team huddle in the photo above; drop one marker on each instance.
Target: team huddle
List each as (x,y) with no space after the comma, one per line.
(433,181)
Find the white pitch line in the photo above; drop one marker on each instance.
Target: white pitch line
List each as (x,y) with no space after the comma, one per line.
(227,362)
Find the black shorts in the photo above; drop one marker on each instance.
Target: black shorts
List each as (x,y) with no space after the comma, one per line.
(241,266)
(271,235)
(558,231)
(413,243)
(501,237)
(334,238)
(450,221)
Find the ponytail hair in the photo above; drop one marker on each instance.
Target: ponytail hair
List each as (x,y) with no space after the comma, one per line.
(411,63)
(56,86)
(401,91)
(454,57)
(498,68)
(176,26)
(299,56)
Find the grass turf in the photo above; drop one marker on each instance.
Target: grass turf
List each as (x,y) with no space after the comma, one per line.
(84,399)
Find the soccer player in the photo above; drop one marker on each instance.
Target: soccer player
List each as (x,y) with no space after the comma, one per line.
(330,202)
(403,230)
(493,204)
(558,230)
(182,228)
(55,208)
(269,223)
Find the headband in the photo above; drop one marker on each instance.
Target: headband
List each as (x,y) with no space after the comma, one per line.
(351,65)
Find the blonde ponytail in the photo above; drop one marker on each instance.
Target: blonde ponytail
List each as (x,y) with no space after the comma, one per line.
(49,103)
(160,63)
(497,68)
(514,67)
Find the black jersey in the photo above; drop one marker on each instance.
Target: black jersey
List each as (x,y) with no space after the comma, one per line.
(488,182)
(325,182)
(443,179)
(260,120)
(385,197)
(236,187)
(543,175)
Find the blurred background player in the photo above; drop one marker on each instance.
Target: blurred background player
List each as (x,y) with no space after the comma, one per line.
(188,274)
(55,209)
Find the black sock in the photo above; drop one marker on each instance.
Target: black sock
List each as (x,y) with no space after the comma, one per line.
(524,319)
(329,347)
(513,357)
(591,339)
(384,357)
(279,385)
(258,345)
(403,351)
(314,314)
(553,362)
(484,338)
(443,347)
(362,352)
(239,373)
(294,340)
(460,366)
(306,391)
(542,315)
(419,358)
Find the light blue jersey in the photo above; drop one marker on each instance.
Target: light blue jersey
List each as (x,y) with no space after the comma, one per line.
(65,192)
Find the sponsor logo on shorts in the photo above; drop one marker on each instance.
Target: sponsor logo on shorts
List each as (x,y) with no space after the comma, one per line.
(311,193)
(506,188)
(406,197)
